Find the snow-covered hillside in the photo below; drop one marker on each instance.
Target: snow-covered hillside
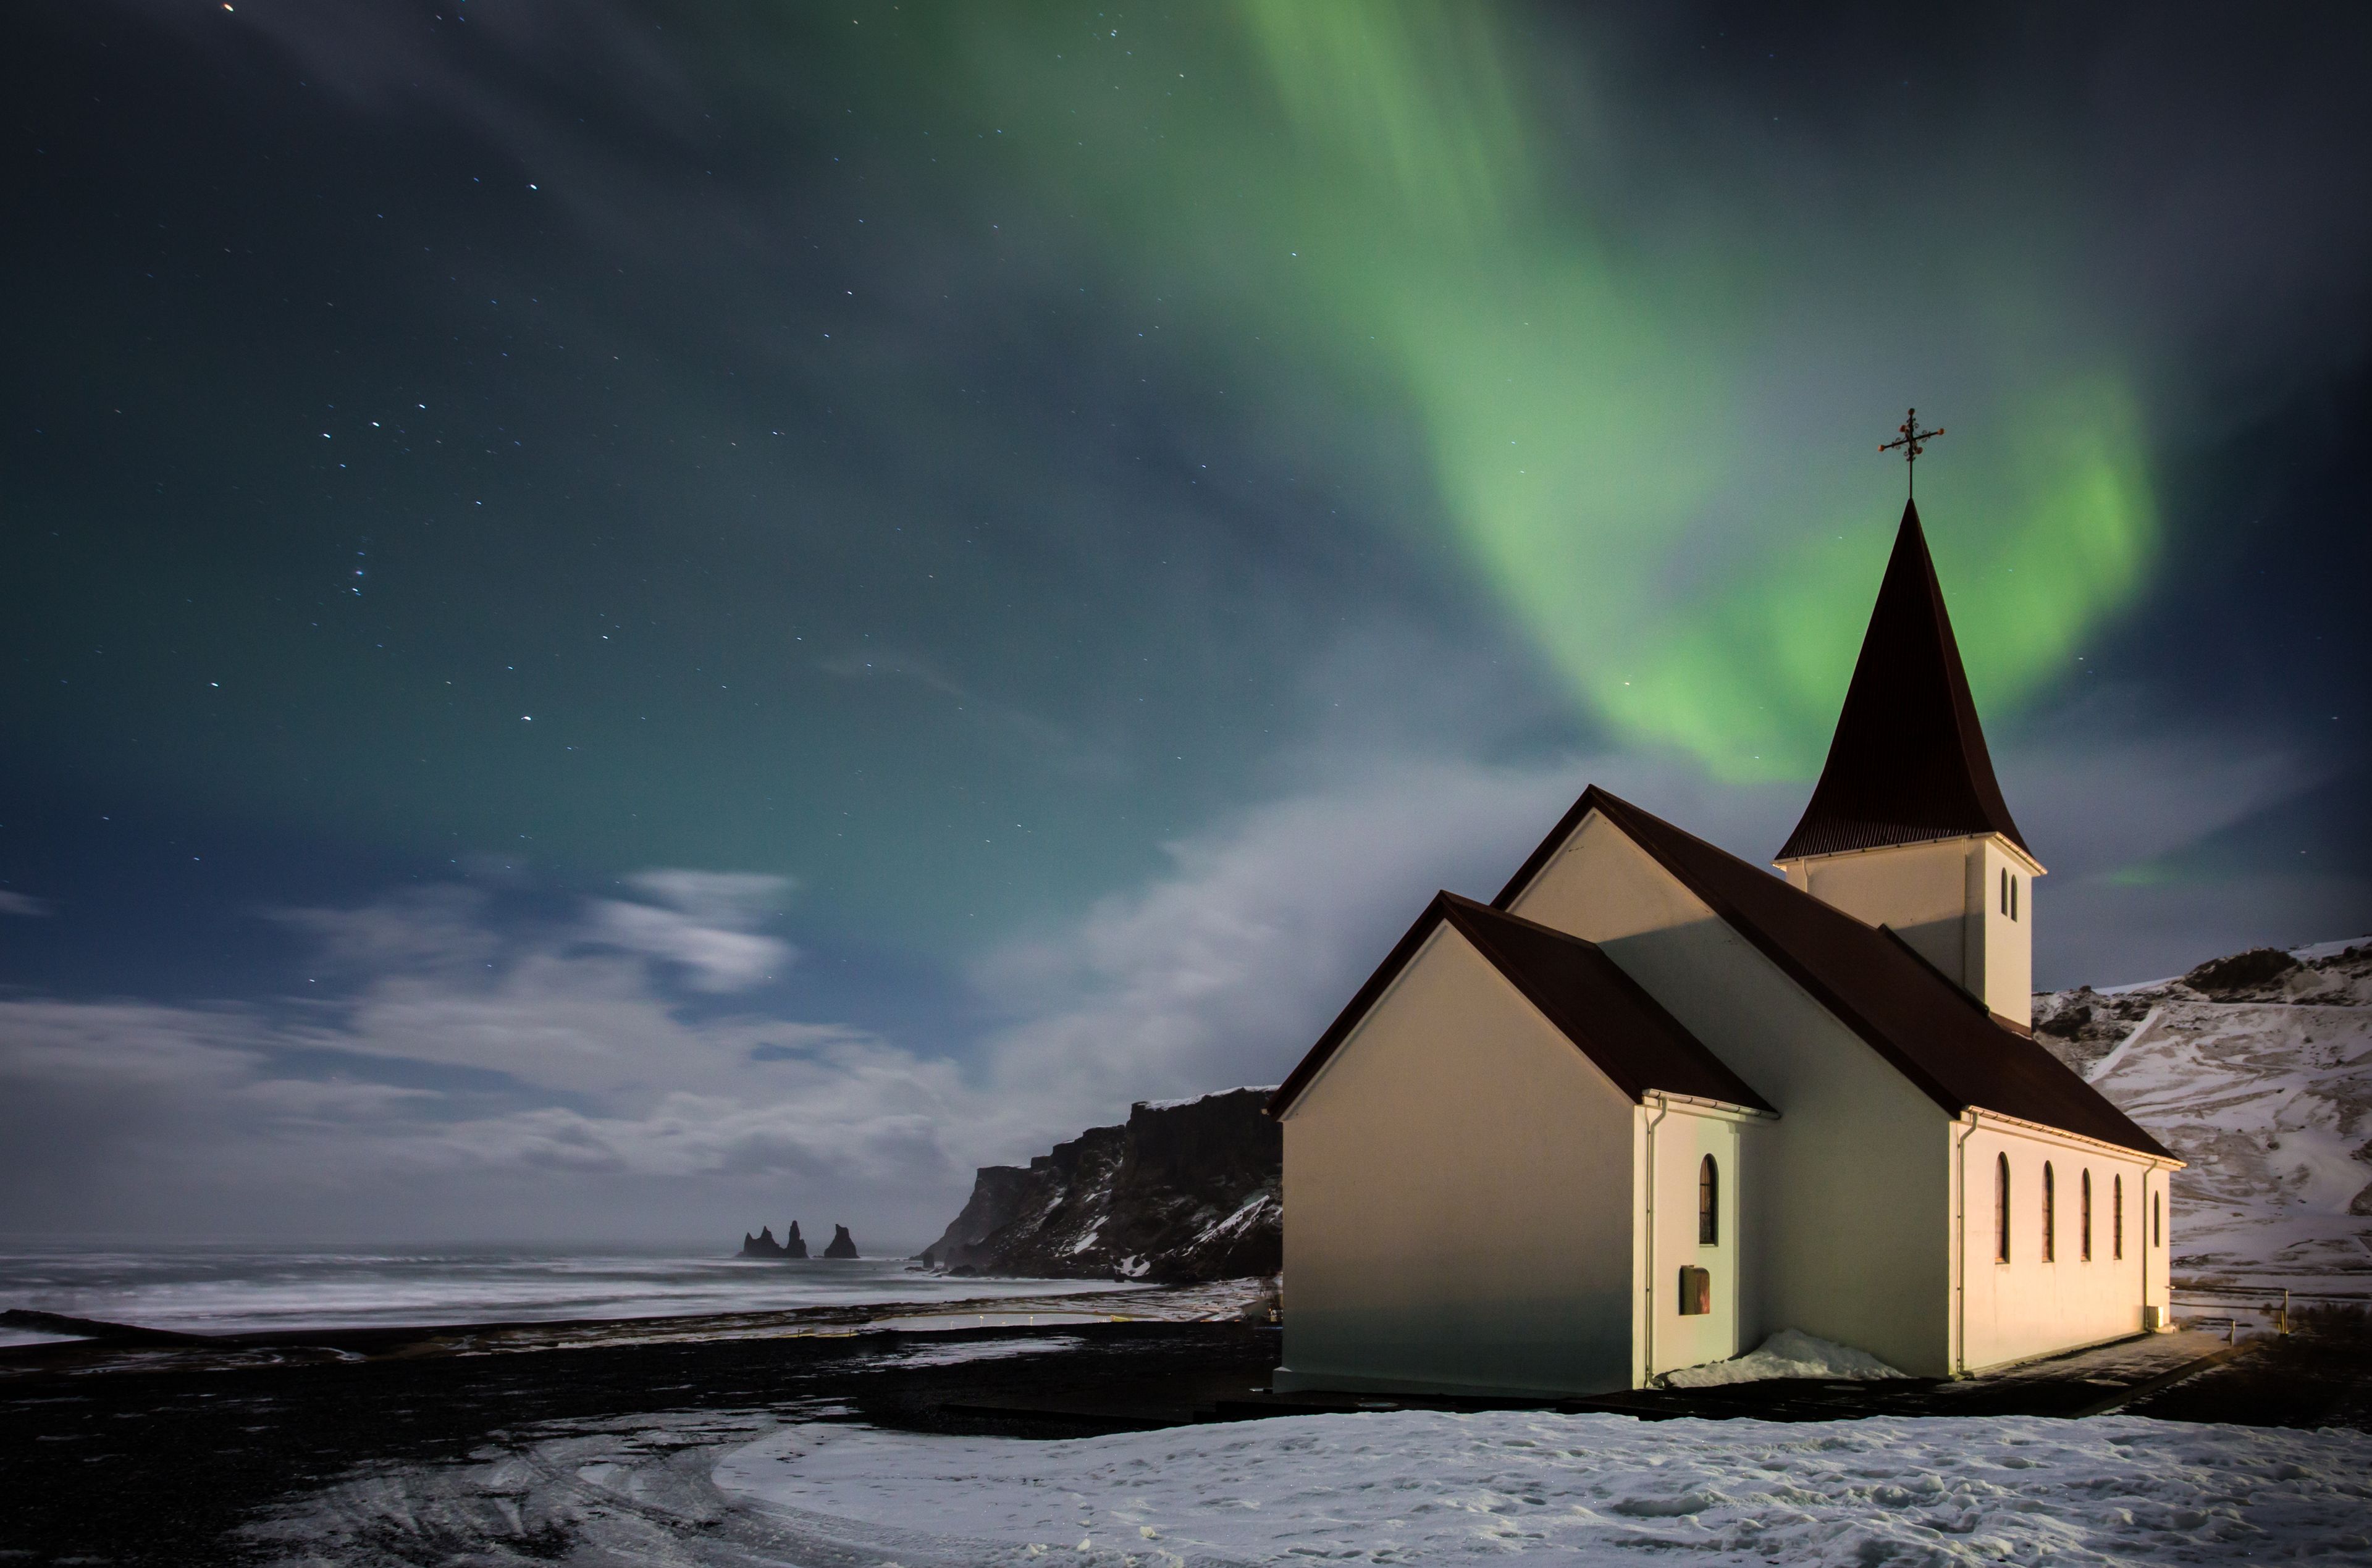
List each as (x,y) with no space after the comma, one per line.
(2256,1069)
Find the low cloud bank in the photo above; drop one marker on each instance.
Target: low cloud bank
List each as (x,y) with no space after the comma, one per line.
(616,1074)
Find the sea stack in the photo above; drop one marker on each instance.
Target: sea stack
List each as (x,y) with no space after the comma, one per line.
(764,1244)
(843,1244)
(793,1246)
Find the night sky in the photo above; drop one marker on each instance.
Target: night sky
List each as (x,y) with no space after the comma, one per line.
(625,619)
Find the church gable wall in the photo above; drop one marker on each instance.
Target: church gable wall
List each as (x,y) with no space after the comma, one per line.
(1847,1220)
(1458,1198)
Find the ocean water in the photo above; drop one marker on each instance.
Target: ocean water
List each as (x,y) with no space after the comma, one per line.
(223,1290)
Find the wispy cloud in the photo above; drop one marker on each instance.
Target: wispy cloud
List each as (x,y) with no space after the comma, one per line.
(536,1095)
(703,921)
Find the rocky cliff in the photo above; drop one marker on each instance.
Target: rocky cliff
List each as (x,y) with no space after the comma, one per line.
(1183,1191)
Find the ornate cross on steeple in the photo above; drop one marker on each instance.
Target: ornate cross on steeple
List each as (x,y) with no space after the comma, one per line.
(1913,441)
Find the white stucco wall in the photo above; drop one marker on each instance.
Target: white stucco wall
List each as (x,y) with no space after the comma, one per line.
(1458,1198)
(2036,1303)
(1945,899)
(1848,1214)
(2000,944)
(1673,1141)
(1922,890)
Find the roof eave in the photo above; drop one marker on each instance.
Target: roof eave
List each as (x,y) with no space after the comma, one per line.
(1757,1112)
(2157,1153)
(2009,846)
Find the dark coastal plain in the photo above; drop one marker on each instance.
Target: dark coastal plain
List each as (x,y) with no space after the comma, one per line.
(210,1452)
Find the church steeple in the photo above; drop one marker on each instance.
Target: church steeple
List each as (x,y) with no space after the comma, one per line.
(1908,764)
(1907,827)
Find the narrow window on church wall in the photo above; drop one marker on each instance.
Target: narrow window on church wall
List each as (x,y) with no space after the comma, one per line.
(1708,1204)
(2050,1226)
(2157,1221)
(2013,898)
(2004,892)
(1696,1291)
(2117,1217)
(2001,1208)
(2086,1236)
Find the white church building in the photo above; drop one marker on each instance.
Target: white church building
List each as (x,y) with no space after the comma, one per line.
(1653,1103)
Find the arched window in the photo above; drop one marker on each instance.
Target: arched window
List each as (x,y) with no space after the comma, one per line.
(2001,1208)
(1708,1204)
(2049,1216)
(2117,1215)
(2086,1231)
(2157,1220)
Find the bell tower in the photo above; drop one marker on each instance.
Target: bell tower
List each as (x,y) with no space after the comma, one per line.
(1907,827)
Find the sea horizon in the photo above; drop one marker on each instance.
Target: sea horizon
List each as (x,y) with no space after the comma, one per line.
(223,1288)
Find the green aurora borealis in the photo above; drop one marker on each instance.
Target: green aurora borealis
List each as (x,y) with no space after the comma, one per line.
(1383,181)
(866,366)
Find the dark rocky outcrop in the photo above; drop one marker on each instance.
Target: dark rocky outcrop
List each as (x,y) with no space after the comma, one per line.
(1184,1191)
(2227,979)
(764,1244)
(843,1244)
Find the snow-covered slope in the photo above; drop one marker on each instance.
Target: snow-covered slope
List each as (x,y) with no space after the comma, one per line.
(2256,1069)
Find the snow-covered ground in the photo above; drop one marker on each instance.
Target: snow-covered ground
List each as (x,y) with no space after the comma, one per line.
(1433,1487)
(744,1489)
(2265,1088)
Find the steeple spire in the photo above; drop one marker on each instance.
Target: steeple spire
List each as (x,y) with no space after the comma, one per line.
(1909,763)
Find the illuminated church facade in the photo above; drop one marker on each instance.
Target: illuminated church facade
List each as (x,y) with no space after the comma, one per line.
(1653,1103)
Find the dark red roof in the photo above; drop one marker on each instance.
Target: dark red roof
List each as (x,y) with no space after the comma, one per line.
(1909,762)
(1875,983)
(1575,986)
